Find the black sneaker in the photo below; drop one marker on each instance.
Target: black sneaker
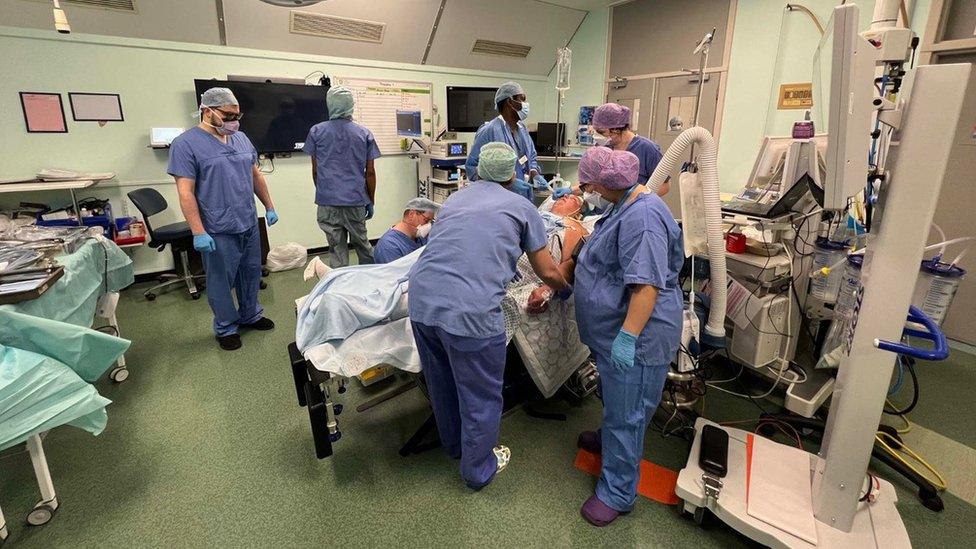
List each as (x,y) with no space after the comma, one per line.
(263,324)
(229,342)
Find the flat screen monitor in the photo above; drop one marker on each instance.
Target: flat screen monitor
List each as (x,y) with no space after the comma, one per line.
(408,124)
(469,108)
(277,117)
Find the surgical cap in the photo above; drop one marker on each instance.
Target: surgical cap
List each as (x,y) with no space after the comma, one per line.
(611,115)
(422,205)
(612,169)
(339,100)
(507,91)
(217,97)
(496,162)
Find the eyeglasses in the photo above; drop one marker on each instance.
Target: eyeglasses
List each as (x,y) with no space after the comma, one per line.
(230,116)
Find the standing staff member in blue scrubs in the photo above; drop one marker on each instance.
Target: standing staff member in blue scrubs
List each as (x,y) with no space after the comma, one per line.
(508,128)
(628,308)
(612,121)
(217,176)
(456,290)
(344,177)
(410,233)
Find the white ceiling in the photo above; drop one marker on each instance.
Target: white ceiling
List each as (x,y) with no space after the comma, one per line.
(542,24)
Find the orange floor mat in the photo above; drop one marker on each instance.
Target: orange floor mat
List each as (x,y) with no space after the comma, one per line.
(656,482)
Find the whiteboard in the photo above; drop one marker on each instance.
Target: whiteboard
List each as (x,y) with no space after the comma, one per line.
(377,102)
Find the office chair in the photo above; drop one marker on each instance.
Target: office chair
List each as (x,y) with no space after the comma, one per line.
(149,202)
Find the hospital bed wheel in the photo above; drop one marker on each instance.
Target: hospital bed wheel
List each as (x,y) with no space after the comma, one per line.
(119,375)
(931,500)
(337,408)
(40,515)
(195,296)
(334,437)
(151,296)
(701,516)
(264,284)
(342,389)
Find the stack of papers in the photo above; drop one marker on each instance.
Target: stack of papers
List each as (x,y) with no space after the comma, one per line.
(54,174)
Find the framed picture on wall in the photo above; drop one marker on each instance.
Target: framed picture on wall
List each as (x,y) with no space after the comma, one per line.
(96,107)
(43,112)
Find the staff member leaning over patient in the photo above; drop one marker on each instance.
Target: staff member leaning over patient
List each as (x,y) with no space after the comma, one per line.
(456,290)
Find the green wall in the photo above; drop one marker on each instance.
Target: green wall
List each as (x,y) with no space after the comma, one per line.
(155,80)
(761,34)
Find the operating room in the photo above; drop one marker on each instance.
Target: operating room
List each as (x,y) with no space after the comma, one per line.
(634,273)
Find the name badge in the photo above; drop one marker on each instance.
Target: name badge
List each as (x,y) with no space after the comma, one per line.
(523,160)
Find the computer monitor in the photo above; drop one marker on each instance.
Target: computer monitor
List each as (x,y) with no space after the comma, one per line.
(408,124)
(548,137)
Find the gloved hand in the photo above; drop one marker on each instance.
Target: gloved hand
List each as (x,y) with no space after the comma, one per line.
(539,182)
(521,187)
(369,211)
(623,350)
(560,192)
(204,243)
(271,217)
(565,293)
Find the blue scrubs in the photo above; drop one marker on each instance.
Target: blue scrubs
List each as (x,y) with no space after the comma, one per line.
(456,290)
(649,154)
(341,149)
(498,130)
(393,245)
(639,244)
(224,186)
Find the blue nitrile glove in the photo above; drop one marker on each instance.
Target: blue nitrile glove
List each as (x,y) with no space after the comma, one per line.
(271,217)
(623,350)
(204,243)
(540,183)
(369,211)
(521,187)
(560,192)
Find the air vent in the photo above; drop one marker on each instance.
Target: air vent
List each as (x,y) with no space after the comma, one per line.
(330,26)
(118,5)
(489,47)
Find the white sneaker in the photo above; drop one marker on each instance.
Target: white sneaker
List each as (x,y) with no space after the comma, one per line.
(503,455)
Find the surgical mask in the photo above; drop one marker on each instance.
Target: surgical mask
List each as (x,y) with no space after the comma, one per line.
(600,140)
(523,113)
(424,230)
(595,200)
(229,127)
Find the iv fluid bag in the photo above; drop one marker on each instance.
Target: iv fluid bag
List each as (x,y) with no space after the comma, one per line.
(564,59)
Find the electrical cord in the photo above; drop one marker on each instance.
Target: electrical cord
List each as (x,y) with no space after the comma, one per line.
(915,392)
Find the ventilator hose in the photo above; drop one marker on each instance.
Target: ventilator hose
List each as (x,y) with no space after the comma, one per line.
(707,167)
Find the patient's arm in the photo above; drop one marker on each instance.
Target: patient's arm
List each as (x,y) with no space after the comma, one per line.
(571,238)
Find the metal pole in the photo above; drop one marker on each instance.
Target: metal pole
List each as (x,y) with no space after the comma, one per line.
(559,134)
(74,202)
(703,46)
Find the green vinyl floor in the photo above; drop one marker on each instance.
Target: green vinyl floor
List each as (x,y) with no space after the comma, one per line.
(209,448)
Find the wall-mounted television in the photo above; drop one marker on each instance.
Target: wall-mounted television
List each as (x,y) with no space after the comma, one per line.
(469,108)
(277,117)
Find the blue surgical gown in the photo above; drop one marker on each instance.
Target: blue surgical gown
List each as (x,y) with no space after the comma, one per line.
(341,149)
(393,245)
(498,130)
(459,281)
(649,154)
(224,178)
(640,244)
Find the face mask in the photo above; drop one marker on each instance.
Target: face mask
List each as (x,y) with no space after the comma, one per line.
(229,127)
(600,140)
(595,200)
(523,113)
(424,230)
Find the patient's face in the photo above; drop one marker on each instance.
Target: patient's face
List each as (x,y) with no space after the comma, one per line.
(567,206)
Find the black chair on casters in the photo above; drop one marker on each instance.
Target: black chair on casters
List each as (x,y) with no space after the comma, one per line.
(149,202)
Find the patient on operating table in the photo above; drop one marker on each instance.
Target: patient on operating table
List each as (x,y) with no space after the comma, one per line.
(569,209)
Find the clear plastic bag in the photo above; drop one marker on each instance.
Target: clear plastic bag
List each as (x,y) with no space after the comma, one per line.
(287,256)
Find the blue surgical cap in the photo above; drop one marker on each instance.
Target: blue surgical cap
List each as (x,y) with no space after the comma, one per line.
(508,90)
(217,97)
(422,205)
(339,100)
(496,162)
